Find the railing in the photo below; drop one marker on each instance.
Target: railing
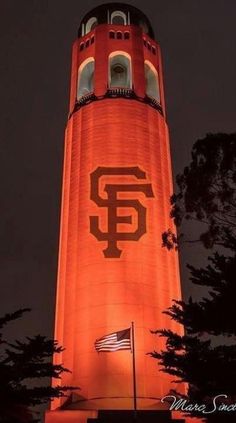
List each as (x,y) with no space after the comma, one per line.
(120,92)
(154,103)
(114,92)
(86,98)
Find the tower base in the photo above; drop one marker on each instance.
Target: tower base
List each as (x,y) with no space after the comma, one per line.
(110,416)
(118,416)
(129,416)
(70,416)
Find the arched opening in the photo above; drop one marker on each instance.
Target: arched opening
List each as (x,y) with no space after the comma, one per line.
(90,25)
(85,78)
(120,70)
(152,84)
(118,18)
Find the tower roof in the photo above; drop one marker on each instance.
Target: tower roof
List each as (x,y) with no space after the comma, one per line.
(103,14)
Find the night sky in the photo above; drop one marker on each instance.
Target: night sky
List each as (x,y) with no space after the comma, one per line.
(198,42)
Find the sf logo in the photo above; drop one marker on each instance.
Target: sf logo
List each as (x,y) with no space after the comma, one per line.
(113,203)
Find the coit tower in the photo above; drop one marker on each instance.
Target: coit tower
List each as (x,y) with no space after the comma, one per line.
(117,183)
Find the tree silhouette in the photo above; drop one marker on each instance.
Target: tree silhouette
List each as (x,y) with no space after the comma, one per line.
(22,362)
(207,194)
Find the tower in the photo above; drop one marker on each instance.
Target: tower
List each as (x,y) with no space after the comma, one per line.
(117,182)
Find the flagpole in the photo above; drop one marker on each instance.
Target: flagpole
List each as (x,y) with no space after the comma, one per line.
(134,371)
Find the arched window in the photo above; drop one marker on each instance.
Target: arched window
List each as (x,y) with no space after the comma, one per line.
(118,18)
(90,25)
(152,84)
(120,70)
(85,78)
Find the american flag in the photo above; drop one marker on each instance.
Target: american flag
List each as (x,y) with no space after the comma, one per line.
(114,341)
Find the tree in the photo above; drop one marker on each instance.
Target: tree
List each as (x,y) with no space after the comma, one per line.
(207,194)
(214,314)
(24,362)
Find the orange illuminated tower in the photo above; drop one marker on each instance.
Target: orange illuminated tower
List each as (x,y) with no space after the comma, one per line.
(117,183)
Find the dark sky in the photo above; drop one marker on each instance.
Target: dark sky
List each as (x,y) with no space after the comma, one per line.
(198,43)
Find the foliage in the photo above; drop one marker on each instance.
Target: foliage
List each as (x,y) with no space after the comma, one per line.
(214,314)
(206,194)
(22,365)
